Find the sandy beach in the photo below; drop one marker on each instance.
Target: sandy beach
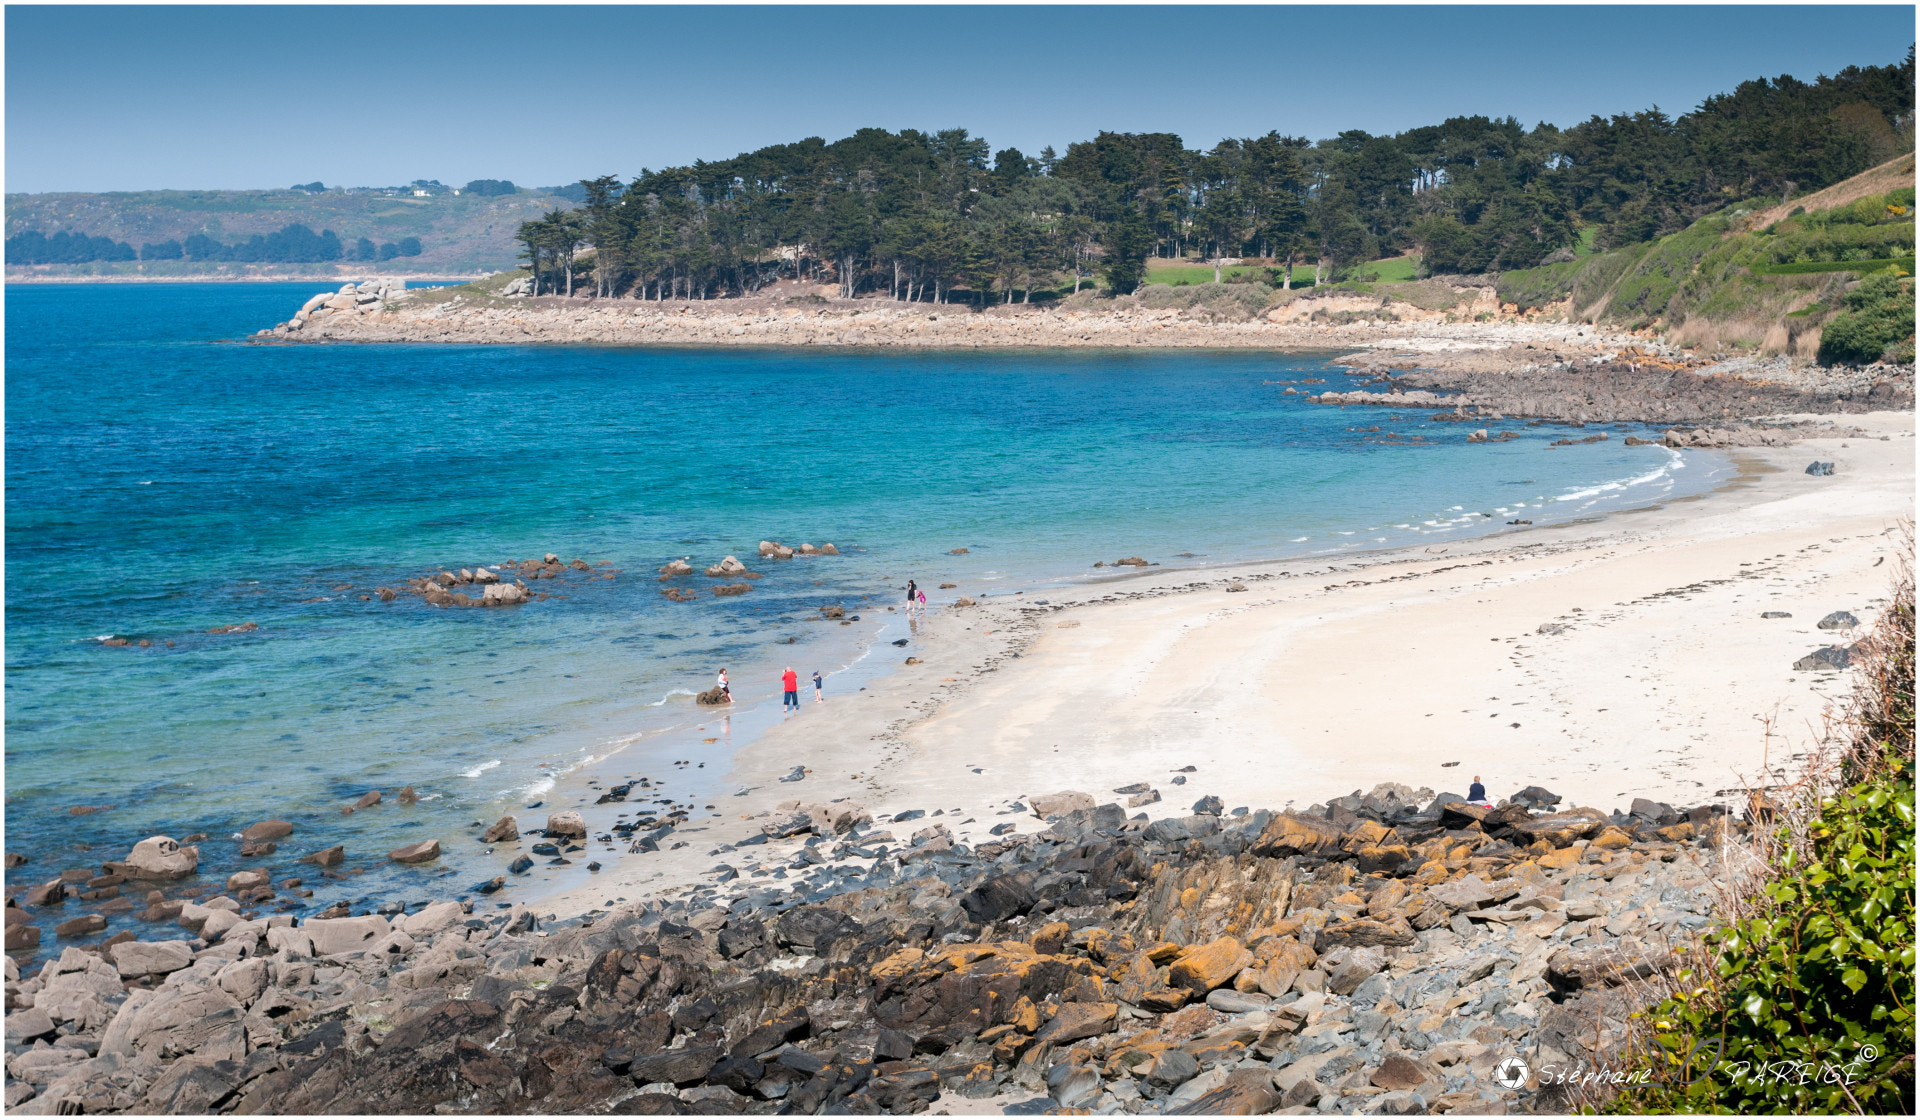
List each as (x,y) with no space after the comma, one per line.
(1604,660)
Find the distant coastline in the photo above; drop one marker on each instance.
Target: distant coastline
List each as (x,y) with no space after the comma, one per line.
(15,276)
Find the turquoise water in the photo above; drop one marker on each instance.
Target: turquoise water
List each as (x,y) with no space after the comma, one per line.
(165,478)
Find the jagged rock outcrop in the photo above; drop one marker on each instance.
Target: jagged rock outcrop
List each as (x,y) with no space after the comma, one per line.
(1201,964)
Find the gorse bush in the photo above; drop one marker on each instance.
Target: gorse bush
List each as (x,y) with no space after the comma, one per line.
(1878,317)
(1805,1002)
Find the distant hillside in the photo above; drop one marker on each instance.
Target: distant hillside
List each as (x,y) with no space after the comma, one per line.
(1751,277)
(458,234)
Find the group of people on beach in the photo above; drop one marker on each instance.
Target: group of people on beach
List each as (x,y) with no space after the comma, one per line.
(790,681)
(789,684)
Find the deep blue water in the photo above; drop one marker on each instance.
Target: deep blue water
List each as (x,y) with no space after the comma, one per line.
(165,477)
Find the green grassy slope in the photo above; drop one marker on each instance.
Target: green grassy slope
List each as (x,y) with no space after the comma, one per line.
(458,234)
(1728,281)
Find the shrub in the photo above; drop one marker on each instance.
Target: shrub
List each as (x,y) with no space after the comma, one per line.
(1878,316)
(1805,1004)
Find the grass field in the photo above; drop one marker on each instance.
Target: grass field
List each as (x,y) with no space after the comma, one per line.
(1176,274)
(1390,270)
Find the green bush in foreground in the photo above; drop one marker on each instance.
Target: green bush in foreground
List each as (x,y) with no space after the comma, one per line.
(1806,1002)
(1878,318)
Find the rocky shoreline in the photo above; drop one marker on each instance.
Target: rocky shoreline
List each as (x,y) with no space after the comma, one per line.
(1378,954)
(1486,366)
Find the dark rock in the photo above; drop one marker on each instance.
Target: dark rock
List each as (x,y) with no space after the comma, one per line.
(1829,657)
(1209,805)
(814,929)
(1000,897)
(1775,614)
(1819,468)
(1534,797)
(1838,620)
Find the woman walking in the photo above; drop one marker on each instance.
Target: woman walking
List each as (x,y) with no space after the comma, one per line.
(912,590)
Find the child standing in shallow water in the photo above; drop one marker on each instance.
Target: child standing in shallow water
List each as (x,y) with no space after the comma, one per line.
(818,698)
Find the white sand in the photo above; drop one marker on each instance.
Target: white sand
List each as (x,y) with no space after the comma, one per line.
(1666,682)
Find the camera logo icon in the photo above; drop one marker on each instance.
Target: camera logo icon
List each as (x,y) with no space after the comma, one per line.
(1511,1073)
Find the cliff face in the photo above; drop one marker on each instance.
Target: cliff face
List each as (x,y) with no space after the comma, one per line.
(1384,953)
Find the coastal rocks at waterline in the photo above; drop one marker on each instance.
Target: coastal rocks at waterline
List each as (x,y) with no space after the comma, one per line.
(774,550)
(368,297)
(1231,964)
(440,589)
(161,857)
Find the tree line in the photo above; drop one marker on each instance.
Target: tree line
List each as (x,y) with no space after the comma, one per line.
(293,244)
(921,214)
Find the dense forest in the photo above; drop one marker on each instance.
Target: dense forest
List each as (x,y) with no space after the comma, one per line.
(292,244)
(919,215)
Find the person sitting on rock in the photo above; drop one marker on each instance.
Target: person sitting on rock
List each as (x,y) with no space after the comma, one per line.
(1477,793)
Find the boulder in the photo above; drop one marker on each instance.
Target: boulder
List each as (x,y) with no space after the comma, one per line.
(502,595)
(421,852)
(246,880)
(1819,468)
(1838,620)
(1296,834)
(160,857)
(1060,804)
(432,919)
(568,823)
(1829,657)
(675,568)
(1203,968)
(266,830)
(1534,797)
(502,830)
(333,936)
(1364,932)
(1075,1021)
(731,566)
(775,550)
(326,857)
(837,819)
(1399,1072)
(81,926)
(135,959)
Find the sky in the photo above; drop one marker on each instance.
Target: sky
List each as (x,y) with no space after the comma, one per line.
(133,98)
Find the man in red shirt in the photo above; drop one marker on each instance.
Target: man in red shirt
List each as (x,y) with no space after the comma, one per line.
(790,681)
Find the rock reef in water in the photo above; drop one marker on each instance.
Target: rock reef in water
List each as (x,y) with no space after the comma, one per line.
(1380,953)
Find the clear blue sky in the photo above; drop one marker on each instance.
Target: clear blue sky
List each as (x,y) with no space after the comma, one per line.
(127,98)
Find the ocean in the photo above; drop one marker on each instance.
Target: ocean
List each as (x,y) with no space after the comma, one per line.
(166,477)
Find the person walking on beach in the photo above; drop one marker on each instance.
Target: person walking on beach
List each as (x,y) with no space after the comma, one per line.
(1477,793)
(818,695)
(923,602)
(724,688)
(791,684)
(912,590)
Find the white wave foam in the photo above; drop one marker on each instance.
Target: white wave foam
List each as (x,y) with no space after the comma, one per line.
(671,693)
(1675,461)
(480,769)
